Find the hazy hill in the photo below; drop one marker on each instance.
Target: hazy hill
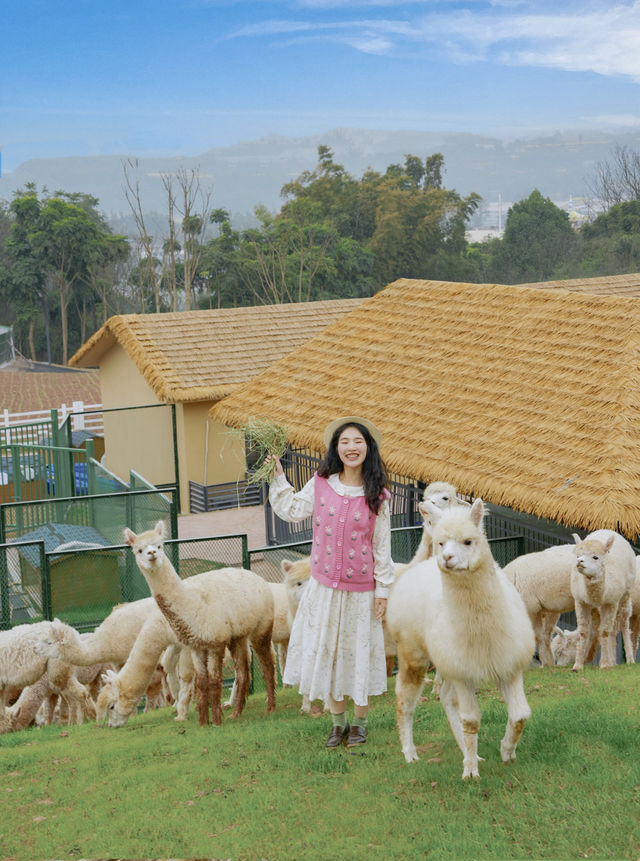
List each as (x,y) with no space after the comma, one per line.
(253,172)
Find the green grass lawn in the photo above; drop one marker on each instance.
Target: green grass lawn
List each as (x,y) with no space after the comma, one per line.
(264,787)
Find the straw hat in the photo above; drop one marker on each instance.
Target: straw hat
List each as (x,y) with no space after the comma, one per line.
(333,426)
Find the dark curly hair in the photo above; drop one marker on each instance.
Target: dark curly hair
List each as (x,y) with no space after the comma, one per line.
(374,472)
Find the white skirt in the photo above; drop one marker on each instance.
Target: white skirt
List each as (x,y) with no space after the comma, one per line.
(336,646)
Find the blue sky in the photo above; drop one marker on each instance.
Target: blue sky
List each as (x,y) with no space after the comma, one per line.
(87,77)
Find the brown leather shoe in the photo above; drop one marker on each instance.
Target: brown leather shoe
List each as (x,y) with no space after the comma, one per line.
(357,735)
(337,736)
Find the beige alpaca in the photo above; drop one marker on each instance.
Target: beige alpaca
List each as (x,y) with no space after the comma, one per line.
(21,665)
(111,641)
(458,610)
(543,580)
(602,579)
(235,607)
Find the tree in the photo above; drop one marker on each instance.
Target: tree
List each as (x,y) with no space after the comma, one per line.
(56,245)
(145,239)
(538,238)
(419,228)
(618,179)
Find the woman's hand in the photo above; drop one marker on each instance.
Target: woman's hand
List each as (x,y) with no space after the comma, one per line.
(271,457)
(380,607)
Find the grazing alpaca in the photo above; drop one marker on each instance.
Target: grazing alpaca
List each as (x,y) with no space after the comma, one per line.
(22,665)
(602,580)
(460,612)
(111,641)
(232,608)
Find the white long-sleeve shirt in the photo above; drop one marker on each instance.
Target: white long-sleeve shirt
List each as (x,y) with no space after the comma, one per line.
(295,506)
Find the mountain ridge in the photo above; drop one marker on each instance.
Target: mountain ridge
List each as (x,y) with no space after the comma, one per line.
(253,172)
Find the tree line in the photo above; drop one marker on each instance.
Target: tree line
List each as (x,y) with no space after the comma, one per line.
(64,271)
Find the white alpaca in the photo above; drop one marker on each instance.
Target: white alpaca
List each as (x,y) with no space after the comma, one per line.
(122,691)
(601,580)
(228,610)
(543,580)
(21,666)
(564,642)
(460,612)
(111,641)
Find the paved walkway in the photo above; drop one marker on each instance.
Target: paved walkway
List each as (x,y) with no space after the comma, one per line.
(228,521)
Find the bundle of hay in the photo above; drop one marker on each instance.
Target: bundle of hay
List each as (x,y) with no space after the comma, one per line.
(262,437)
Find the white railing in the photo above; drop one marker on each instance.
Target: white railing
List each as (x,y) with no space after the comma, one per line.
(84,418)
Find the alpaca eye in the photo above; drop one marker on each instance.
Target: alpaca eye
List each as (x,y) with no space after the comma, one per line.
(596,558)
(468,542)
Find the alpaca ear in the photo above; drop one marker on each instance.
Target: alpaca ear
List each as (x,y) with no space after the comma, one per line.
(160,528)
(608,544)
(109,676)
(129,536)
(286,565)
(477,513)
(576,538)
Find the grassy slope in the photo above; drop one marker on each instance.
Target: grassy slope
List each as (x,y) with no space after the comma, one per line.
(264,787)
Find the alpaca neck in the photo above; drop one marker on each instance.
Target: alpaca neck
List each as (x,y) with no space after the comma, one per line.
(163,580)
(153,639)
(83,651)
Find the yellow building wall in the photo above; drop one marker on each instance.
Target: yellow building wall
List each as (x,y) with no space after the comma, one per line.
(142,439)
(136,439)
(213,454)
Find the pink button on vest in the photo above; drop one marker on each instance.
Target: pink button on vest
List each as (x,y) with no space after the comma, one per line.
(341,556)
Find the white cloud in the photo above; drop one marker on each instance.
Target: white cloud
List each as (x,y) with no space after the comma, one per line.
(574,36)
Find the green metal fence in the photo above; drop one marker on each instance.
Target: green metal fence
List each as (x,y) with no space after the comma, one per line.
(80,585)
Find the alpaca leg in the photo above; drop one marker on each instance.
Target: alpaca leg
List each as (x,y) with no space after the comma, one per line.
(470,716)
(409,685)
(242,665)
(437,684)
(266,655)
(518,713)
(449,700)
(624,613)
(607,636)
(549,622)
(583,617)
(215,661)
(201,685)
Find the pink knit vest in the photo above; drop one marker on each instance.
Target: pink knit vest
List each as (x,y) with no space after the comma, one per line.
(342,555)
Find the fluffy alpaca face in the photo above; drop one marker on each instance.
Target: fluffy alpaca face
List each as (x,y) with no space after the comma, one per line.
(590,558)
(148,547)
(440,494)
(108,702)
(296,577)
(458,541)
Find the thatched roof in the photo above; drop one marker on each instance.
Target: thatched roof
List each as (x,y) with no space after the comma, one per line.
(203,355)
(529,398)
(611,285)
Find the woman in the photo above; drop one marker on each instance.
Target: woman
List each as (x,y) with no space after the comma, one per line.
(337,645)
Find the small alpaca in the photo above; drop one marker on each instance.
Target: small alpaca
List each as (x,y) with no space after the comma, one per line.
(602,579)
(235,607)
(460,612)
